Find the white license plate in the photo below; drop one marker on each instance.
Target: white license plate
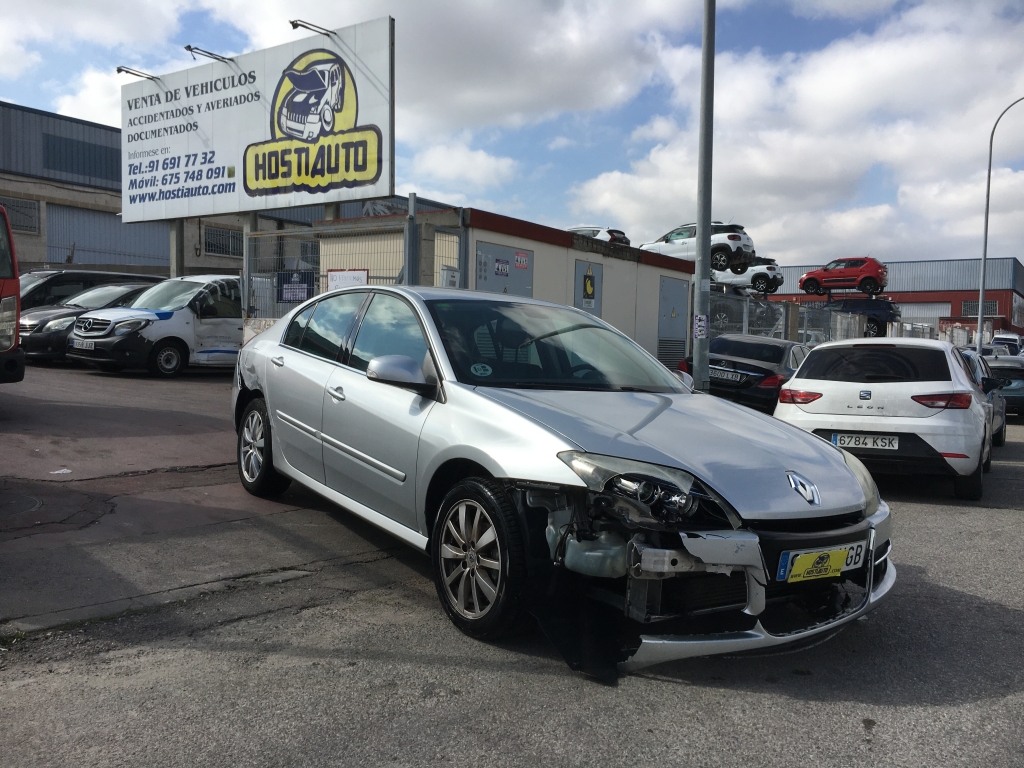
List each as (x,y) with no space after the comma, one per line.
(807,564)
(727,375)
(882,442)
(80,344)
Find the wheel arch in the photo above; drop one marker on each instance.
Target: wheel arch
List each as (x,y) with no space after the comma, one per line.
(245,396)
(176,339)
(444,479)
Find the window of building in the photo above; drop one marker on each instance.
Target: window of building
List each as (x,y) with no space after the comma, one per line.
(23,214)
(222,242)
(970,308)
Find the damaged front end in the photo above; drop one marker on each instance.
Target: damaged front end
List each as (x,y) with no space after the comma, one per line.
(675,572)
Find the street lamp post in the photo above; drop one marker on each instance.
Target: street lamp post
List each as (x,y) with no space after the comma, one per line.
(702,273)
(984,247)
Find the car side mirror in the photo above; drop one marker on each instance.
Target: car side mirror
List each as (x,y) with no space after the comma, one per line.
(988,384)
(400,371)
(686,378)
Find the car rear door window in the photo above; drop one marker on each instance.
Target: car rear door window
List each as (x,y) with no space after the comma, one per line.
(872,363)
(325,334)
(748,350)
(390,327)
(298,324)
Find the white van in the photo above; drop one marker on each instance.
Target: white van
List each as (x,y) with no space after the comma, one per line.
(194,320)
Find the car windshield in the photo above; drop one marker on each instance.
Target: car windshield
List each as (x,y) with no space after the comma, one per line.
(172,294)
(875,363)
(748,350)
(529,346)
(97,297)
(27,281)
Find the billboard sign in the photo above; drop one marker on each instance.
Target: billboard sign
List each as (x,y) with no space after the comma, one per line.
(304,123)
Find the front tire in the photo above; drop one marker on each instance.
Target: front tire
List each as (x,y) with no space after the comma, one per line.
(872,328)
(738,269)
(479,559)
(812,286)
(255,454)
(970,487)
(168,359)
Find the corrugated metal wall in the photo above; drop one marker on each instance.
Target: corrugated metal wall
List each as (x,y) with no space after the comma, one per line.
(43,145)
(938,275)
(101,238)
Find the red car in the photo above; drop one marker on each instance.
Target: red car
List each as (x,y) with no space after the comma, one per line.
(12,356)
(865,274)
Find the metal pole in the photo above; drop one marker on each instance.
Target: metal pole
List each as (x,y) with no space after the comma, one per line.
(702,281)
(411,267)
(984,247)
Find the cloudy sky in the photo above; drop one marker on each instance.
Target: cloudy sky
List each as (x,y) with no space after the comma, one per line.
(842,127)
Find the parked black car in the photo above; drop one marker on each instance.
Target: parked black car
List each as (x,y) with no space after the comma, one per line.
(1011,368)
(750,370)
(880,312)
(44,330)
(46,287)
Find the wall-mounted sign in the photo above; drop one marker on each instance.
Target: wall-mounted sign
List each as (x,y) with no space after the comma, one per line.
(343,278)
(295,287)
(307,122)
(589,287)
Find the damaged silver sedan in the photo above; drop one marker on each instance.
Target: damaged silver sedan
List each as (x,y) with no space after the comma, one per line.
(550,466)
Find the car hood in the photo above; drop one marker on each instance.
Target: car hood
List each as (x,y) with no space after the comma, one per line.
(42,315)
(743,455)
(117,314)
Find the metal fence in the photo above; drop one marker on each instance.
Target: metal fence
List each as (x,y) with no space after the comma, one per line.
(913,330)
(731,313)
(286,267)
(74,254)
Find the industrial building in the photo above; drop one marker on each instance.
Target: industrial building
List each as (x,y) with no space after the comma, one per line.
(942,293)
(60,181)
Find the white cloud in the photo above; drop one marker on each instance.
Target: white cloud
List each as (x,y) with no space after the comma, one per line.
(847,9)
(659,128)
(458,164)
(797,135)
(561,142)
(97,97)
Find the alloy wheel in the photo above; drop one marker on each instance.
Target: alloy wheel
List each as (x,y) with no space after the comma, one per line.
(470,559)
(252,446)
(719,261)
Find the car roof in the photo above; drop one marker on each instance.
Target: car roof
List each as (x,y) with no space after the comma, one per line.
(888,341)
(204,278)
(586,226)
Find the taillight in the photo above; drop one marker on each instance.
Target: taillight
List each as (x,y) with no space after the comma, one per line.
(957,400)
(798,396)
(8,321)
(773,382)
(735,237)
(683,367)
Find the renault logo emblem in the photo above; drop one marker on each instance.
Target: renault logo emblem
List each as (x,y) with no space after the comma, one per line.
(865,394)
(805,488)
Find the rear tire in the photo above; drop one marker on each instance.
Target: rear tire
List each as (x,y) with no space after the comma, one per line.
(872,328)
(738,269)
(969,487)
(720,261)
(869,286)
(168,359)
(812,286)
(987,466)
(479,559)
(255,453)
(999,438)
(759,284)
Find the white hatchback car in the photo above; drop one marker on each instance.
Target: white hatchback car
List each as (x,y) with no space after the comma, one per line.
(900,405)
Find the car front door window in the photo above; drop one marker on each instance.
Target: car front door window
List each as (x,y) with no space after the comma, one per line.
(389,328)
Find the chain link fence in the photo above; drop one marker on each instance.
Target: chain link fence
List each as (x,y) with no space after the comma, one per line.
(733,313)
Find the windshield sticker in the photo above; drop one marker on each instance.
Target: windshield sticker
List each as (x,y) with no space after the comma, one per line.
(480,369)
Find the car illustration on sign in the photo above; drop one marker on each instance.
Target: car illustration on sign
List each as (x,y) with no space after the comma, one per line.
(308,111)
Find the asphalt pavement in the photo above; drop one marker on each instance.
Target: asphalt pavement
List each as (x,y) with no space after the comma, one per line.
(152,613)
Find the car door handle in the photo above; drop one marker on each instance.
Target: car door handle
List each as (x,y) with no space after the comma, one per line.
(278,361)
(336,392)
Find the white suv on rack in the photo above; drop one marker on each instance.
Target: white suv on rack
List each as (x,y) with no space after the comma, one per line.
(731,247)
(763,276)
